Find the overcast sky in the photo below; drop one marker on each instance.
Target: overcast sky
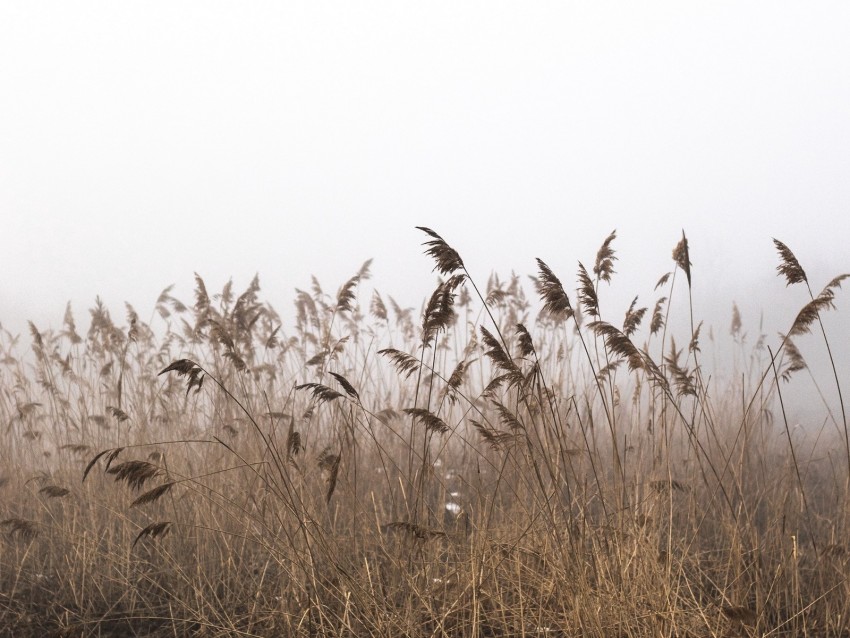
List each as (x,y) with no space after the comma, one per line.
(143,141)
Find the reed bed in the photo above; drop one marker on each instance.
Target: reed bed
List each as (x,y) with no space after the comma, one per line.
(501,462)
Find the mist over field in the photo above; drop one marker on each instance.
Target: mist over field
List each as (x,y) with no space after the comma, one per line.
(766,305)
(457,470)
(141,144)
(443,320)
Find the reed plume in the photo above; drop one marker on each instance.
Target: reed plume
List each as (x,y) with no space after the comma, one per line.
(554,297)
(447,259)
(431,421)
(154,530)
(681,255)
(605,258)
(789,267)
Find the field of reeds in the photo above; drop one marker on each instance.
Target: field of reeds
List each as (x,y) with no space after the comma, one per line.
(501,462)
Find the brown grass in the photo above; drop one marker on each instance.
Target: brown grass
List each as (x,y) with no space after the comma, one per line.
(484,469)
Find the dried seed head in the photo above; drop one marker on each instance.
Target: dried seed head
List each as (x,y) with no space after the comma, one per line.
(447,258)
(681,255)
(789,267)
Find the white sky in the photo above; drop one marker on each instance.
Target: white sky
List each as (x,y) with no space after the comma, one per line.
(143,141)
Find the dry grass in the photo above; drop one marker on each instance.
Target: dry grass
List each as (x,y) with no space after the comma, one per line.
(483,471)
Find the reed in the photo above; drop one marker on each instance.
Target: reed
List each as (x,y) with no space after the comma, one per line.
(498,466)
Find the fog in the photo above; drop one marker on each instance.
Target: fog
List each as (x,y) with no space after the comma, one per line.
(143,142)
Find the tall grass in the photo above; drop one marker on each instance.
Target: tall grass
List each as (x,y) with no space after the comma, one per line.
(491,465)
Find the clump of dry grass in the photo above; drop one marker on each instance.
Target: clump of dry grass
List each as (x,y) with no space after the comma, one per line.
(573,473)
(20,528)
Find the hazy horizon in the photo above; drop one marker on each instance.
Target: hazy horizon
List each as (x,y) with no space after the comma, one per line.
(143,143)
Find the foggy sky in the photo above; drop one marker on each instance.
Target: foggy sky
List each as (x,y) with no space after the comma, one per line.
(142,142)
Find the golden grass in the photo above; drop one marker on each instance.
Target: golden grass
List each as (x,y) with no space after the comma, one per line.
(484,471)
